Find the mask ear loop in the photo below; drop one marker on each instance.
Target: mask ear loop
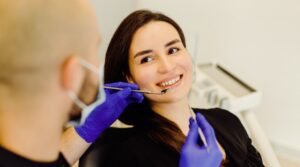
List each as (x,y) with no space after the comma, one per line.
(76,100)
(87,109)
(101,95)
(89,66)
(72,95)
(95,70)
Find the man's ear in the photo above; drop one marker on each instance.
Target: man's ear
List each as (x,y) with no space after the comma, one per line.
(71,73)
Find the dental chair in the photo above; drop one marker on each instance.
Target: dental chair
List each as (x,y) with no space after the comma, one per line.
(214,86)
(104,147)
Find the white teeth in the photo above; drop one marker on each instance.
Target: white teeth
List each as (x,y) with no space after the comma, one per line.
(171,82)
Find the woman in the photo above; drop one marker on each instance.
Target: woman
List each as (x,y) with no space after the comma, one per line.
(149,49)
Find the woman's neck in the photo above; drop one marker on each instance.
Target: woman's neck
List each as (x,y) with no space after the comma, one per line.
(178,112)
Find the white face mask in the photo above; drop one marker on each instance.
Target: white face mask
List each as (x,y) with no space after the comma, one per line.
(87,109)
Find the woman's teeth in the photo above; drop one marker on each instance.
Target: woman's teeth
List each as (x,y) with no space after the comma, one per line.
(170,82)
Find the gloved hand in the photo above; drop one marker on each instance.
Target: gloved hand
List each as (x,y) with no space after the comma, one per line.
(193,155)
(109,111)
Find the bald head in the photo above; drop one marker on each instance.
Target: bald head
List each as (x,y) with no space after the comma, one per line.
(36,36)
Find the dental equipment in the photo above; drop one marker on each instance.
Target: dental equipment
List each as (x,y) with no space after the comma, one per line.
(139,91)
(214,86)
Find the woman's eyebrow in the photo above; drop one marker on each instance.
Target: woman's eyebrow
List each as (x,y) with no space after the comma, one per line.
(172,42)
(149,51)
(142,53)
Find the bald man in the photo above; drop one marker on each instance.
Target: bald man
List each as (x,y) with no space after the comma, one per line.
(48,62)
(40,46)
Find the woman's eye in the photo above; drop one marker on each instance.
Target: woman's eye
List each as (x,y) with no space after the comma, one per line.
(146,59)
(173,50)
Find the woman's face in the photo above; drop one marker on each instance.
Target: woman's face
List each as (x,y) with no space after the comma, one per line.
(158,60)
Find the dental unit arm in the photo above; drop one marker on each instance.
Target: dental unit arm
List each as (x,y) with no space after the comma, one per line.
(214,86)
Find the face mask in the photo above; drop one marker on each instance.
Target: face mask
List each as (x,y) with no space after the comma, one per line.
(87,109)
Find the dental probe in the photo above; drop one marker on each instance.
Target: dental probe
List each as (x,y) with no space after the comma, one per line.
(139,91)
(193,115)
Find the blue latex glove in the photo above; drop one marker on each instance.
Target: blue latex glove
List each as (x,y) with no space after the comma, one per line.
(193,155)
(109,111)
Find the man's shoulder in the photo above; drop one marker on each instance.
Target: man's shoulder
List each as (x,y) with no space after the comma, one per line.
(9,158)
(125,137)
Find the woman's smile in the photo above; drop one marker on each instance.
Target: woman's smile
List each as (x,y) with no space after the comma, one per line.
(171,82)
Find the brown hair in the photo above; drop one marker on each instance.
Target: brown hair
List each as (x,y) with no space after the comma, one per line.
(157,128)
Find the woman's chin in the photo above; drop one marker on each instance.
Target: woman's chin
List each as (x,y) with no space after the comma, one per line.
(169,97)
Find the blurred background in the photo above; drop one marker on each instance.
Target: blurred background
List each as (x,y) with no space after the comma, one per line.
(257,40)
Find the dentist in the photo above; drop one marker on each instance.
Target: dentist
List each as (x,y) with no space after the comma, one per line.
(48,57)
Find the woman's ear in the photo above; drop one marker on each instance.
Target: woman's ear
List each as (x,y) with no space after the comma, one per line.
(71,73)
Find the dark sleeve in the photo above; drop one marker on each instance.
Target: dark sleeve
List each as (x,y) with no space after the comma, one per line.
(62,161)
(124,157)
(254,158)
(108,149)
(233,137)
(114,155)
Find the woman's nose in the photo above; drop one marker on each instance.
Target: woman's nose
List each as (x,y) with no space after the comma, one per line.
(165,64)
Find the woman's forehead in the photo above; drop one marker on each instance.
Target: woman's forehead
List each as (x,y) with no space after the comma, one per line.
(155,33)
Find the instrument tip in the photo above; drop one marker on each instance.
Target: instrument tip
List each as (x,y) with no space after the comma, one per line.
(164,91)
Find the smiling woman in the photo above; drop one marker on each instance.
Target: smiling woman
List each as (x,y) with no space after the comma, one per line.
(160,63)
(149,49)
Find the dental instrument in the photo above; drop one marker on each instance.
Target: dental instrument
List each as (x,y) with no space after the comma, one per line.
(193,116)
(139,91)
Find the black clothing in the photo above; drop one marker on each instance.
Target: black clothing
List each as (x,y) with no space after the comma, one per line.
(10,159)
(131,147)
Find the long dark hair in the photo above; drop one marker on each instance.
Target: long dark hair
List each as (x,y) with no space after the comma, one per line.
(157,128)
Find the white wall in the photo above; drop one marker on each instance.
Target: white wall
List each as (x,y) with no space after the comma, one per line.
(110,14)
(259,40)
